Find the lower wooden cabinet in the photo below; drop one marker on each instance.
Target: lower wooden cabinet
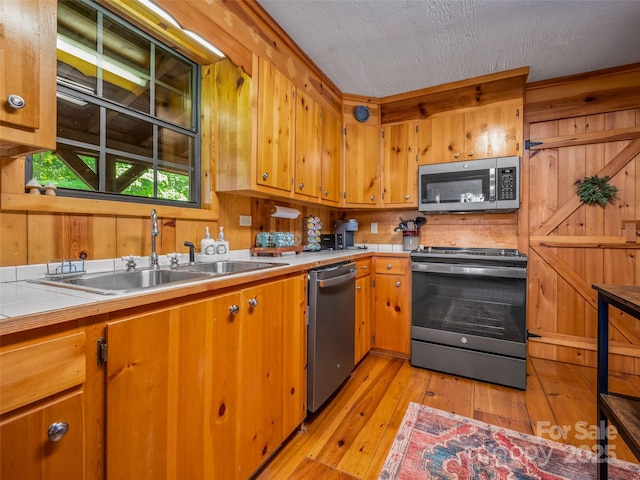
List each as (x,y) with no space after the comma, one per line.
(45,442)
(363,324)
(392,305)
(207,389)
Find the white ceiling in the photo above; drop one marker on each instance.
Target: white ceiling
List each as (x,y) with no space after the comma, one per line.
(379,48)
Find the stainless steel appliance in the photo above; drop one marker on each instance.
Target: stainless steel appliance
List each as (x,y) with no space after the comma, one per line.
(348,229)
(487,185)
(469,313)
(331,241)
(331,331)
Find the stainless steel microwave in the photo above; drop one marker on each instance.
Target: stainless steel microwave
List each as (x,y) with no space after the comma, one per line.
(486,185)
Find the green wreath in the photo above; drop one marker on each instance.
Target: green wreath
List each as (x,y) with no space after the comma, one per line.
(596,190)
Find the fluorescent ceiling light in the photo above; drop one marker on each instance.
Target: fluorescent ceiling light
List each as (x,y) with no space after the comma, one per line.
(204,43)
(81,52)
(160,12)
(70,99)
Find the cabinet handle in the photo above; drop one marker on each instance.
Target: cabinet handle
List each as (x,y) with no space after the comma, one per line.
(16,101)
(373,198)
(456,155)
(265,175)
(234,309)
(253,302)
(389,266)
(470,154)
(398,284)
(358,287)
(363,267)
(301,185)
(407,196)
(57,430)
(326,193)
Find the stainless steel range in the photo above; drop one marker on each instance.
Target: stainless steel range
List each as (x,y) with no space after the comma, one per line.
(469,313)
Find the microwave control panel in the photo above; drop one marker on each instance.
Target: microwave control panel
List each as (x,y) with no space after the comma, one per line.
(506,183)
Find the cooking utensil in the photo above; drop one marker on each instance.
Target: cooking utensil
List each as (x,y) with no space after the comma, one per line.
(420,221)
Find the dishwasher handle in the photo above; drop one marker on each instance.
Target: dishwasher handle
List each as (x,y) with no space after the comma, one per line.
(342,279)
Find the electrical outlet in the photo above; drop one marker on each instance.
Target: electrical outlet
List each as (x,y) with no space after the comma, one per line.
(245,220)
(374,228)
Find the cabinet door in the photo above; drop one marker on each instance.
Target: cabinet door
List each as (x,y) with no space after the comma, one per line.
(363,318)
(307,164)
(331,158)
(29,68)
(362,169)
(493,131)
(400,171)
(28,451)
(276,137)
(448,138)
(392,306)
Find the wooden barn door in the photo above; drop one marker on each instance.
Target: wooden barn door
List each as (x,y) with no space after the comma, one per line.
(573,246)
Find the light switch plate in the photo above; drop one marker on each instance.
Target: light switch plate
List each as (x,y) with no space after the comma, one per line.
(374,228)
(245,220)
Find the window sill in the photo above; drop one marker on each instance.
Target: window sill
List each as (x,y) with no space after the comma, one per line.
(83,206)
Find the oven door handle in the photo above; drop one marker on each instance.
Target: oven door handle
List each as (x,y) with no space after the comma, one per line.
(475,270)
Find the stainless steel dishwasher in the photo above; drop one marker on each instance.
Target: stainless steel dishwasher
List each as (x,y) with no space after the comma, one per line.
(331,330)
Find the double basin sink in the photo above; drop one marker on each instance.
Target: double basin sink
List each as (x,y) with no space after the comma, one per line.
(123,282)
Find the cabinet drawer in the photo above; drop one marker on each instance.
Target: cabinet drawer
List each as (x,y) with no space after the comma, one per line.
(393,266)
(363,267)
(34,372)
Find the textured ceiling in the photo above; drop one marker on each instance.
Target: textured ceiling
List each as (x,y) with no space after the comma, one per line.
(379,48)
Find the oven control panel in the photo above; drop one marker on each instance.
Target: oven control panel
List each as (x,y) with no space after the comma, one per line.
(506,183)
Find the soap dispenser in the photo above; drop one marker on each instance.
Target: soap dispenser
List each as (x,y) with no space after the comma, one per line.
(222,245)
(207,244)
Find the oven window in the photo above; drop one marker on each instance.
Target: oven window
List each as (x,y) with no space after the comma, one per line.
(471,305)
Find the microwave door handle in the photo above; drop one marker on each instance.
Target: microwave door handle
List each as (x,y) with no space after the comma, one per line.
(492,184)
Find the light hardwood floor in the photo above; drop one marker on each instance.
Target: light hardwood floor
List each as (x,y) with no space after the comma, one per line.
(350,437)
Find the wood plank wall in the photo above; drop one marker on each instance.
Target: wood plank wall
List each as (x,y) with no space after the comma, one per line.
(586,125)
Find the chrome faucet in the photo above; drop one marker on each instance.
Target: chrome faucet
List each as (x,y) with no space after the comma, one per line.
(153,260)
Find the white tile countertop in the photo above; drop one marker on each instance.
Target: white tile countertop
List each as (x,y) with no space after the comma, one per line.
(22,300)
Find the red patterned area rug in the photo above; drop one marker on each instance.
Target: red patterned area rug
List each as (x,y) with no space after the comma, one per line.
(432,444)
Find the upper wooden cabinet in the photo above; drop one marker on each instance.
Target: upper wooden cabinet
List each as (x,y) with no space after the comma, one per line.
(483,132)
(308,126)
(331,158)
(276,128)
(400,165)
(361,165)
(28,77)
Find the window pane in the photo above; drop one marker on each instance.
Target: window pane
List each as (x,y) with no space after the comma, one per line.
(67,167)
(78,120)
(175,148)
(134,179)
(126,66)
(173,89)
(77,46)
(173,186)
(129,134)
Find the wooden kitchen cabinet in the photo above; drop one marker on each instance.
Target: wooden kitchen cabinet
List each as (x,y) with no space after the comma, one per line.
(331,158)
(308,127)
(361,165)
(400,165)
(28,56)
(483,132)
(276,128)
(392,305)
(222,383)
(42,430)
(363,323)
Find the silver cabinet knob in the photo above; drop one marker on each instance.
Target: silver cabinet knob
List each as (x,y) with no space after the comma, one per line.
(234,309)
(16,101)
(373,198)
(397,284)
(326,193)
(363,267)
(57,431)
(389,266)
(470,154)
(407,196)
(456,155)
(253,302)
(358,287)
(265,175)
(301,185)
